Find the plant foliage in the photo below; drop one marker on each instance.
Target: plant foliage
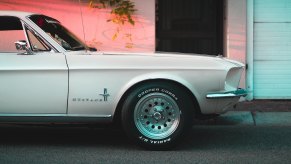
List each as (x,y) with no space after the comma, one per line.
(122,10)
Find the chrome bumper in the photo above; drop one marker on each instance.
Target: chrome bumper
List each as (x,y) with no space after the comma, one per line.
(230,94)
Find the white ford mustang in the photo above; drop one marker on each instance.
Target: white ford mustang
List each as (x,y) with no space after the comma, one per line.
(48,75)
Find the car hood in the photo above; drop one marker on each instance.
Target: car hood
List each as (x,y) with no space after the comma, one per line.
(180,56)
(157,60)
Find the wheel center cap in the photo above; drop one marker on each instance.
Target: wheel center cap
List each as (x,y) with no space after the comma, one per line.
(158,108)
(157,115)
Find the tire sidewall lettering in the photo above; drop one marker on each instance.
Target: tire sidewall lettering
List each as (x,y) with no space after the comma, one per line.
(160,90)
(169,90)
(153,90)
(155,142)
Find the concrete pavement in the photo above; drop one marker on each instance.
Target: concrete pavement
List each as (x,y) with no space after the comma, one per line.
(265,106)
(255,113)
(247,118)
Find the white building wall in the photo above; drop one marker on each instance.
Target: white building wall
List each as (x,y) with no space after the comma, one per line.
(235,32)
(272,50)
(99,32)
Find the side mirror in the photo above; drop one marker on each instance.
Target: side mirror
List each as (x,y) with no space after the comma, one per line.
(22,45)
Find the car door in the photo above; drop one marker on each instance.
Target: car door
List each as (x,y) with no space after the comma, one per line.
(30,83)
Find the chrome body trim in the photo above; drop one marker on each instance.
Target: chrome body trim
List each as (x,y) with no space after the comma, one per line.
(54,118)
(54,115)
(229,94)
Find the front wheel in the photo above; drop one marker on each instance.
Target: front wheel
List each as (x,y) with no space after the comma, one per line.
(156,115)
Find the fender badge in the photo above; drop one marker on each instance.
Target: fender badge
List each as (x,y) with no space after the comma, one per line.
(105,94)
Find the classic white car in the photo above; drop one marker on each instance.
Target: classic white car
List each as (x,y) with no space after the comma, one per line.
(49,75)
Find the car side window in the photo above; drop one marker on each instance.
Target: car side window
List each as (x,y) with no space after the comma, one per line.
(36,43)
(10,31)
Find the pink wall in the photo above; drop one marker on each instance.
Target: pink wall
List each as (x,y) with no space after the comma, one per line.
(98,32)
(235,32)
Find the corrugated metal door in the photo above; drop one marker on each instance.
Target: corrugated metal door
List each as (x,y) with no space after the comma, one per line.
(272,49)
(191,26)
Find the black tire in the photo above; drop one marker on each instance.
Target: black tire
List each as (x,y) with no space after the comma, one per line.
(156,115)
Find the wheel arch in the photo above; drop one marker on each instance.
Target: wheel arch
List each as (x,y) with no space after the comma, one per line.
(186,87)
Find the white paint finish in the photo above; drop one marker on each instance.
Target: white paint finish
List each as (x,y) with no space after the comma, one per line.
(272,10)
(44,79)
(119,72)
(272,42)
(34,84)
(111,60)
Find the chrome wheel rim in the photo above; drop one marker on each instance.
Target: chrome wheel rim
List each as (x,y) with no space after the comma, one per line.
(157,116)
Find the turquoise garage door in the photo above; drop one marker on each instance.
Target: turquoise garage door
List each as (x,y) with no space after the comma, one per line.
(272,49)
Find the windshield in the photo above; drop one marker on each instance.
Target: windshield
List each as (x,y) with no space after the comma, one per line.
(58,32)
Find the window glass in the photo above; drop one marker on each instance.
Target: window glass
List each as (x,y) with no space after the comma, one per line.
(10,32)
(59,33)
(36,43)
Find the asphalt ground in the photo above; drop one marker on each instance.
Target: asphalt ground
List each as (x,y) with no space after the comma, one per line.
(204,144)
(257,132)
(236,137)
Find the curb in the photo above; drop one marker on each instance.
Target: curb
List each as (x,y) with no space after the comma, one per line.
(273,118)
(247,118)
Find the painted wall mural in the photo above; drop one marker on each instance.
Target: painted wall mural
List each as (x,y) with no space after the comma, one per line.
(98,32)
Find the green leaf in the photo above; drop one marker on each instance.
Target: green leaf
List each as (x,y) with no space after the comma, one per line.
(121,8)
